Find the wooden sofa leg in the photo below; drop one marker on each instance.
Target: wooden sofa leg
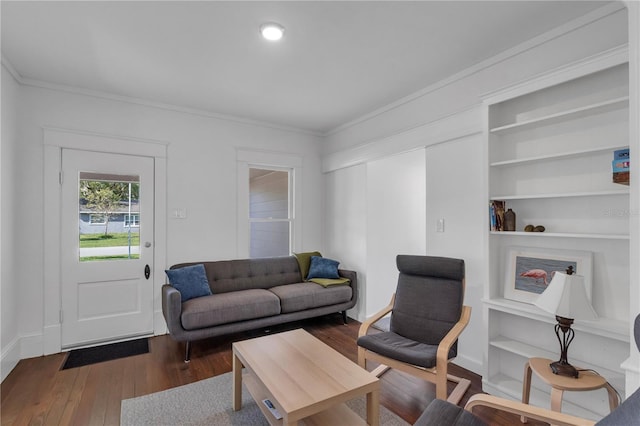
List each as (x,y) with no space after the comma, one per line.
(187,352)
(344,317)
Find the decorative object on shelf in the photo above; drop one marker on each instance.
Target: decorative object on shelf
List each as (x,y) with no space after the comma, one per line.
(509,220)
(496,214)
(531,228)
(620,166)
(530,270)
(566,298)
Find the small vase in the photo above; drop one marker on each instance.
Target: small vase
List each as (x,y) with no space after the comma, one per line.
(509,220)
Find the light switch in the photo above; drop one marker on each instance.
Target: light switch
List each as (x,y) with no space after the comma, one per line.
(179,213)
(440,225)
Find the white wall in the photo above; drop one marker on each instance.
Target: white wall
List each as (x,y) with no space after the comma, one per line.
(460,200)
(446,118)
(201,167)
(395,221)
(346,238)
(9,297)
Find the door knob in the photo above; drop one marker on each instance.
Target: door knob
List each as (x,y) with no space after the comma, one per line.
(147,244)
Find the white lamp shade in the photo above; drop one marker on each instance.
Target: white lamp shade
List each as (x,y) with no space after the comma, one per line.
(566,297)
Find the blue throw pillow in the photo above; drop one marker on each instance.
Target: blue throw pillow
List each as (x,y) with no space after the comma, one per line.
(190,281)
(321,267)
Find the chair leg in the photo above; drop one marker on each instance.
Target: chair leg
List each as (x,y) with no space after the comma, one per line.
(441,384)
(380,370)
(187,352)
(344,317)
(461,388)
(362,361)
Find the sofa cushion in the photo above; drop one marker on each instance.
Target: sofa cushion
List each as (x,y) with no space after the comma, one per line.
(321,267)
(228,307)
(301,296)
(190,281)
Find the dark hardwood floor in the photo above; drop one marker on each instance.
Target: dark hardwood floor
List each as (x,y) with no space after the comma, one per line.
(37,392)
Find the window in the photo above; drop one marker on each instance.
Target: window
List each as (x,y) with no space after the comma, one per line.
(270,217)
(111,202)
(131,220)
(97,219)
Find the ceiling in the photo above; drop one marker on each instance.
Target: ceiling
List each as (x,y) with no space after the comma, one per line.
(338,60)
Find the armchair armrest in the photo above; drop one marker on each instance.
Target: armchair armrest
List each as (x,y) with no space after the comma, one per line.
(514,407)
(172,310)
(364,327)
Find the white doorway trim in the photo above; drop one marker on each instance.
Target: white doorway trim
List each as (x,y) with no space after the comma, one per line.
(55,140)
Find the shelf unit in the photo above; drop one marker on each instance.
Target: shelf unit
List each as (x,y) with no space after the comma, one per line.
(549,146)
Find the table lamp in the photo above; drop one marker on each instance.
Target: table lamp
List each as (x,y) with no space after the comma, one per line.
(566,298)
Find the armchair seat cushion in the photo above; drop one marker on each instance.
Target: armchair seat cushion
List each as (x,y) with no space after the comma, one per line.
(440,412)
(400,348)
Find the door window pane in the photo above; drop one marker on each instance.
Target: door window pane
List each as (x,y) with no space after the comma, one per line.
(109,216)
(269,212)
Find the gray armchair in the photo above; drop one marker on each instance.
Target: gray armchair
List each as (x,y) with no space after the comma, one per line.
(427,316)
(440,413)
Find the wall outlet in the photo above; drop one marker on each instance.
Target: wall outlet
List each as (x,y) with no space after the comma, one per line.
(440,225)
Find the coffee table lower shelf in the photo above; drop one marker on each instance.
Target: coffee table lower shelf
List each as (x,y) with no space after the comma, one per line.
(338,414)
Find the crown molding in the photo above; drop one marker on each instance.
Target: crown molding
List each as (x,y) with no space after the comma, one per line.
(148,103)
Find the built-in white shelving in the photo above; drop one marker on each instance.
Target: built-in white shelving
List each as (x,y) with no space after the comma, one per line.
(583,111)
(560,235)
(549,153)
(556,156)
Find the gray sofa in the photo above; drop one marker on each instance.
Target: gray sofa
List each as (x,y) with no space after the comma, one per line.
(250,294)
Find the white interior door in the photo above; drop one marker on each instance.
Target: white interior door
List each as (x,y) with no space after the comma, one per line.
(107,202)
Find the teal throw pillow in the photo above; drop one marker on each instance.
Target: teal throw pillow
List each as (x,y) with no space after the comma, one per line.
(321,267)
(190,281)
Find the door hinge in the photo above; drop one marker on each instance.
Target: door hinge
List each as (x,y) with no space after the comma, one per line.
(61,317)
(60,177)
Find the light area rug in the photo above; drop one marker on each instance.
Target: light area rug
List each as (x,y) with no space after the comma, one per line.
(208,402)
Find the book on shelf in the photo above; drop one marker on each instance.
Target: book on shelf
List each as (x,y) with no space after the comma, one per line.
(620,166)
(621,154)
(496,215)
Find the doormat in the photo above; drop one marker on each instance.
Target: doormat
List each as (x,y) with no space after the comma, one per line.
(96,354)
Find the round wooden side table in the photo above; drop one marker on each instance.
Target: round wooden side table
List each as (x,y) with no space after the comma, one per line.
(586,381)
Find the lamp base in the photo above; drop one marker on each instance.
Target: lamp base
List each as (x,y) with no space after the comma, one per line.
(563,369)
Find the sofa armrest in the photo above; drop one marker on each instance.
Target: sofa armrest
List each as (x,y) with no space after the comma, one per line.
(172,310)
(353,276)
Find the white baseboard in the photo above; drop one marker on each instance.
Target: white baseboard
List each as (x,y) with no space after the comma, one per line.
(10,357)
(52,342)
(471,364)
(31,345)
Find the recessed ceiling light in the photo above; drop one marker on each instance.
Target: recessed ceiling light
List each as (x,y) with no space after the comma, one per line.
(272,31)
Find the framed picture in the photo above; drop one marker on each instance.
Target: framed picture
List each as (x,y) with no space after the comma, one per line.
(530,270)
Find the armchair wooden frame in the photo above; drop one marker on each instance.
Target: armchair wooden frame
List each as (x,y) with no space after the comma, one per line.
(438,374)
(525,410)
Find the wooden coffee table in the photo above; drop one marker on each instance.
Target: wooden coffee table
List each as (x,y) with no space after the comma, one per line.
(304,379)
